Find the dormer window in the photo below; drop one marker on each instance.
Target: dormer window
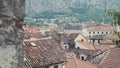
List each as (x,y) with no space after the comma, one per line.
(82,58)
(65,47)
(78,47)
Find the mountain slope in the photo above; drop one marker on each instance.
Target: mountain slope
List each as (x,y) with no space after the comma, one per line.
(63,11)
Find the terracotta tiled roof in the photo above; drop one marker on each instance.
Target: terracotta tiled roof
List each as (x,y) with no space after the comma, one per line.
(97,37)
(111,60)
(89,53)
(106,42)
(76,63)
(73,35)
(27,63)
(100,28)
(111,37)
(44,52)
(33,32)
(34,35)
(87,45)
(32,29)
(104,47)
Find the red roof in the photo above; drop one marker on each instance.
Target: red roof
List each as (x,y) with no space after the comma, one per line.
(43,52)
(76,63)
(73,35)
(87,45)
(32,29)
(104,47)
(112,59)
(100,28)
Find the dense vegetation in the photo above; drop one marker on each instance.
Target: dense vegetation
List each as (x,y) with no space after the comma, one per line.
(81,15)
(64,11)
(115,15)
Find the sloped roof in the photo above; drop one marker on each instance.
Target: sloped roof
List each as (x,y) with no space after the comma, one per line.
(87,45)
(32,29)
(114,36)
(76,63)
(100,37)
(34,35)
(44,52)
(89,53)
(33,32)
(100,28)
(106,42)
(111,60)
(104,47)
(73,35)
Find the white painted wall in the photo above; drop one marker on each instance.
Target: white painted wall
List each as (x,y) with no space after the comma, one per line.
(79,45)
(82,55)
(64,45)
(79,38)
(92,33)
(86,33)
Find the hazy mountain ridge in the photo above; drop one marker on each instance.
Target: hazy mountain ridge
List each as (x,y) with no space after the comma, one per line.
(63,5)
(56,8)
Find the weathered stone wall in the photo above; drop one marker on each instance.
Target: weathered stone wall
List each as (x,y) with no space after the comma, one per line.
(11,34)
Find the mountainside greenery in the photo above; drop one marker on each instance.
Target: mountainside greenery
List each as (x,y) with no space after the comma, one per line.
(65,11)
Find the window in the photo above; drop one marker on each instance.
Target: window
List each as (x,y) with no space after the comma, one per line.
(65,47)
(98,41)
(82,40)
(98,32)
(82,58)
(93,32)
(78,47)
(89,32)
(102,32)
(56,66)
(106,32)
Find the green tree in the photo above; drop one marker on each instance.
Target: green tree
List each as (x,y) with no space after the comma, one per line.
(115,15)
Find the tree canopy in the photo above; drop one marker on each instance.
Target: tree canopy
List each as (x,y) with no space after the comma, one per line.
(115,15)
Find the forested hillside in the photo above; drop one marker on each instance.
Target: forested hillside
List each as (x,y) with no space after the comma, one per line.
(65,11)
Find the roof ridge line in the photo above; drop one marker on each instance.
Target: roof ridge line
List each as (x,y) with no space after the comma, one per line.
(104,57)
(38,39)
